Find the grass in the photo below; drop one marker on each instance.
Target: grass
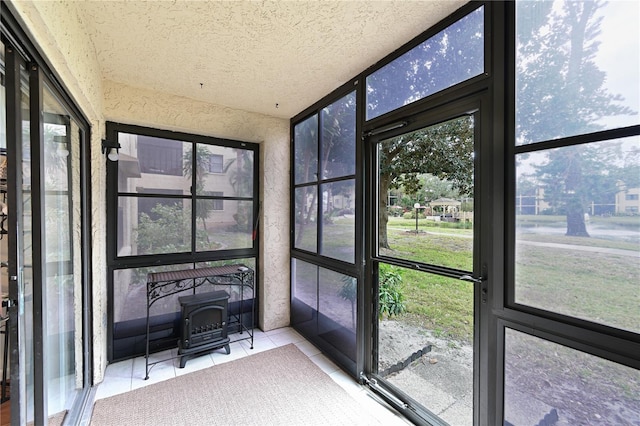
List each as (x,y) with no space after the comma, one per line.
(596,286)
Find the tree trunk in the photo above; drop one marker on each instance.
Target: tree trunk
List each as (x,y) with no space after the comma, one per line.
(383,191)
(575,220)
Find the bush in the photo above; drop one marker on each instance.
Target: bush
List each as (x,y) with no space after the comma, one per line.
(390,296)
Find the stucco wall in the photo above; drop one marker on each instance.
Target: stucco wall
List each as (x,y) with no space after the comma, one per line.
(60,32)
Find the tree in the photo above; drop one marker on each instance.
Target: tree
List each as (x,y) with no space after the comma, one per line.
(241,180)
(561,93)
(201,166)
(444,150)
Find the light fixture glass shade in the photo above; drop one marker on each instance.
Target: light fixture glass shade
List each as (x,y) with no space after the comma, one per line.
(113,154)
(62,151)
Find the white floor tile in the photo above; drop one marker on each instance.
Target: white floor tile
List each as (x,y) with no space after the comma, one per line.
(284,336)
(195,363)
(308,348)
(113,386)
(324,363)
(237,351)
(260,344)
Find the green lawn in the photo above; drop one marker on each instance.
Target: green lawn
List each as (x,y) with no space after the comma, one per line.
(598,286)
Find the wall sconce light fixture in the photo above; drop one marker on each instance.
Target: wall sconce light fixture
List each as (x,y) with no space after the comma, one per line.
(61,146)
(111,149)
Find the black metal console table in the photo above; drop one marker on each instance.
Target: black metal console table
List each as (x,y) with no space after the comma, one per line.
(164,284)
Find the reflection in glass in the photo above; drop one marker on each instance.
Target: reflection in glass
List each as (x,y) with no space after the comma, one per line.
(305,283)
(431,167)
(223,170)
(223,229)
(568,75)
(306,150)
(337,313)
(542,378)
(578,231)
(450,57)
(338,220)
(63,288)
(306,212)
(338,127)
(26,295)
(425,340)
(150,225)
(304,295)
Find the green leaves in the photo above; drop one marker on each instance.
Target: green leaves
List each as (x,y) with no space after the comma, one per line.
(390,296)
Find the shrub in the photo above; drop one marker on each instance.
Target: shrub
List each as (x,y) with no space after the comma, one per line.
(391,298)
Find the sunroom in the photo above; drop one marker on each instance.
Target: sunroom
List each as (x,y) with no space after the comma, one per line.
(441,197)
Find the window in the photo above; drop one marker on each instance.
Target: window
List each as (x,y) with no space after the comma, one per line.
(175,210)
(324,201)
(569,97)
(323,300)
(216,163)
(218,204)
(631,197)
(450,57)
(576,240)
(160,156)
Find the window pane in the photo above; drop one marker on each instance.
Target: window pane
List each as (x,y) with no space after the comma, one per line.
(304,295)
(432,167)
(578,231)
(337,309)
(236,292)
(569,78)
(542,378)
(450,57)
(130,310)
(306,237)
(222,169)
(339,138)
(339,223)
(230,228)
(306,150)
(149,225)
(147,164)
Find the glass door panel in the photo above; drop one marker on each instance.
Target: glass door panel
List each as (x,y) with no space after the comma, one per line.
(63,286)
(19,260)
(425,262)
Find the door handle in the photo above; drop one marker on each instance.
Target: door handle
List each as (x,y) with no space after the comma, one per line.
(471,279)
(482,280)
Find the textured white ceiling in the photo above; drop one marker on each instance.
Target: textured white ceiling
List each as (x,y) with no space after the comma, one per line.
(251,55)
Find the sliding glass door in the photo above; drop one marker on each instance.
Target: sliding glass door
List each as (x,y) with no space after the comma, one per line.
(47,292)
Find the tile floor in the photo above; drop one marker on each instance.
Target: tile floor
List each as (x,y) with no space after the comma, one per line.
(127,375)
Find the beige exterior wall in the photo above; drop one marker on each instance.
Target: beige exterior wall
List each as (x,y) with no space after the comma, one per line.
(59,31)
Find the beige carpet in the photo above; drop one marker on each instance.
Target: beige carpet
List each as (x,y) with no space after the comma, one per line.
(277,387)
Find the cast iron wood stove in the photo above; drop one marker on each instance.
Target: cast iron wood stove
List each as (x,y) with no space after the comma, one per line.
(203,324)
